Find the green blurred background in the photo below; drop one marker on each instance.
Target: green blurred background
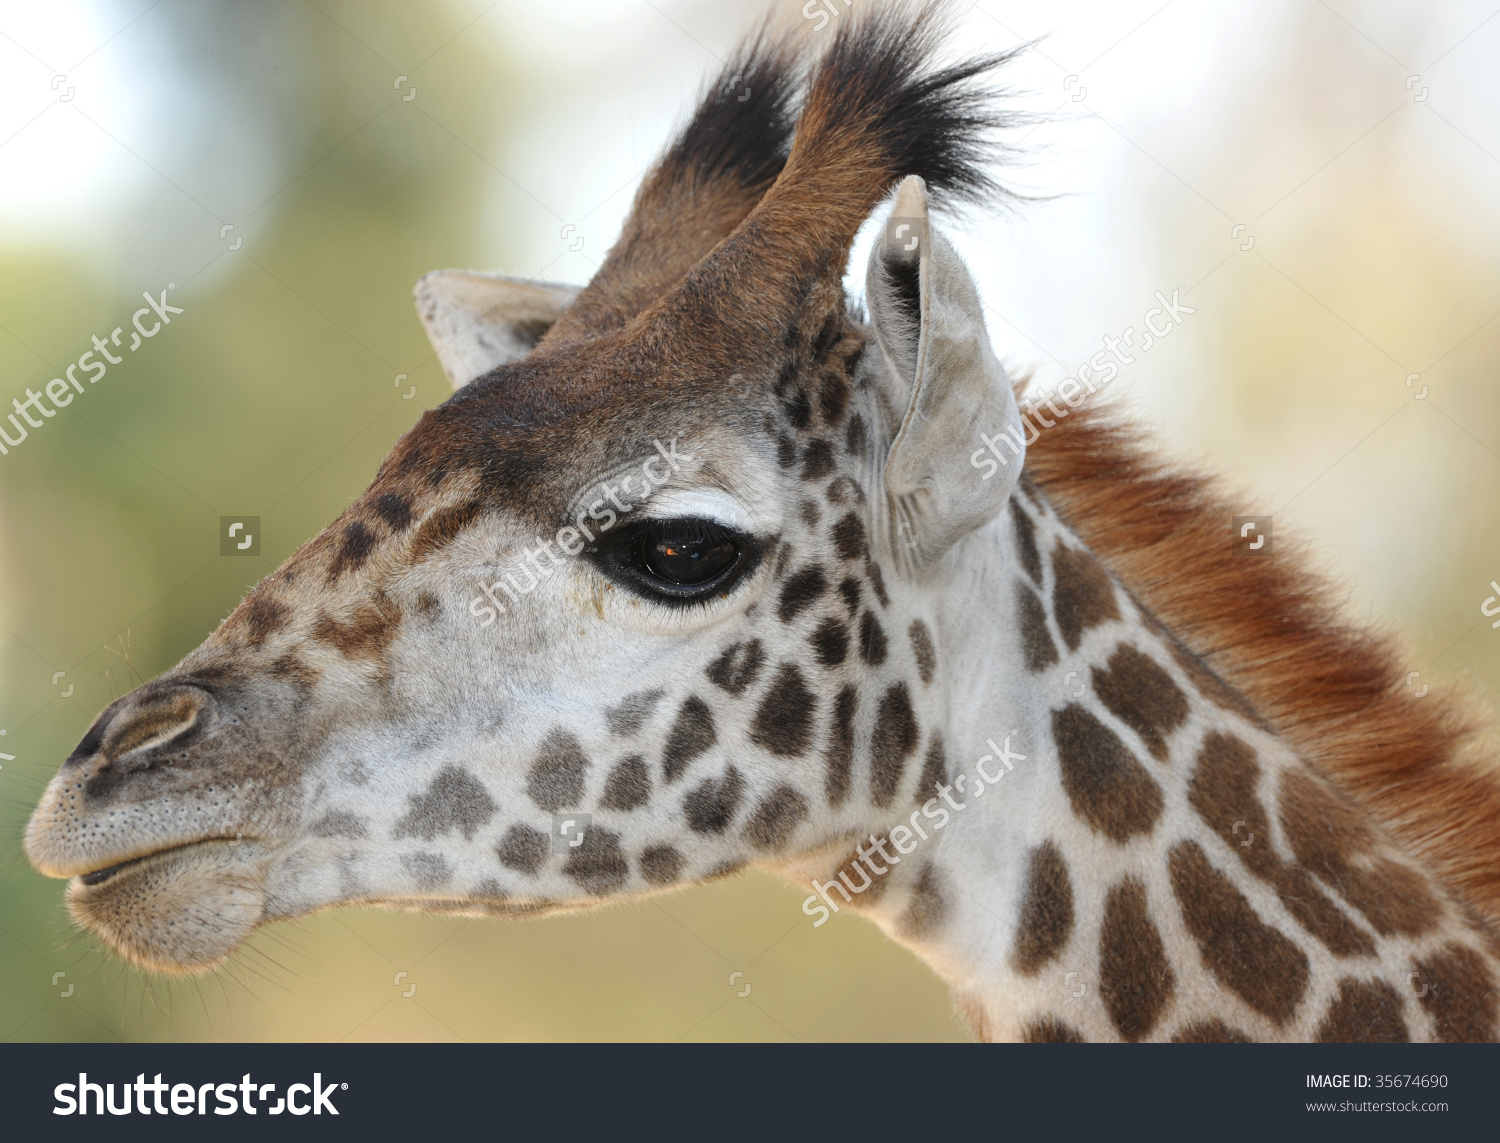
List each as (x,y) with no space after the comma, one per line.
(1371,198)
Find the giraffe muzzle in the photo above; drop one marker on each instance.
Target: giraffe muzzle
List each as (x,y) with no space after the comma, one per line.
(182,909)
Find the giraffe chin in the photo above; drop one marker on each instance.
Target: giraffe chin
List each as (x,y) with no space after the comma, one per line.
(181,910)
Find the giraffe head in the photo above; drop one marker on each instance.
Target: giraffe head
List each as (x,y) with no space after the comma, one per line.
(654,595)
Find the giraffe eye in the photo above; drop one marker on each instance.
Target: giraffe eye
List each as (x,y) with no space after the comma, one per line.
(685,559)
(679,560)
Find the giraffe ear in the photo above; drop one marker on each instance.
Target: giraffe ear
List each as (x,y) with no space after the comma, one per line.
(478,321)
(941,481)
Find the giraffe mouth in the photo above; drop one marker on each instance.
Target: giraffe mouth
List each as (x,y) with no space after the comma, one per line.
(181,908)
(100,876)
(167,855)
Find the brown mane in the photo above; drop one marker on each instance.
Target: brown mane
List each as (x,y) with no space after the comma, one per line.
(1272,628)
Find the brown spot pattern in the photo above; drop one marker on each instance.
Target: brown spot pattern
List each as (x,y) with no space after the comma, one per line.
(1364,1012)
(922,648)
(849,537)
(454,800)
(934,769)
(738,667)
(872,645)
(710,807)
(783,722)
(262,617)
(661,865)
(628,786)
(1461,995)
(394,510)
(633,710)
(1209,1032)
(1036,642)
(598,863)
(817,459)
(1335,843)
(442,528)
(1108,787)
(830,642)
(800,592)
(1046,921)
(838,755)
(1031,559)
(776,817)
(1050,1030)
(366,633)
(354,549)
(895,739)
(1082,594)
(555,780)
(1223,792)
(1135,978)
(691,735)
(1136,690)
(523,848)
(1258,962)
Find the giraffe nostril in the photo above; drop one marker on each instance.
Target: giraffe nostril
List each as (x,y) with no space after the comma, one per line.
(153,720)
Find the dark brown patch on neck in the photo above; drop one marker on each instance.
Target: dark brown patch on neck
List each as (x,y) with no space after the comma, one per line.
(1461,995)
(1257,961)
(1107,786)
(1364,1012)
(1046,911)
(1050,1030)
(1223,792)
(628,786)
(1142,696)
(1037,647)
(784,720)
(1082,595)
(1209,1032)
(711,805)
(1135,978)
(1031,559)
(555,780)
(394,510)
(1333,841)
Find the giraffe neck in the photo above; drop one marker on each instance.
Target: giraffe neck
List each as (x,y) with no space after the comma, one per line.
(1130,852)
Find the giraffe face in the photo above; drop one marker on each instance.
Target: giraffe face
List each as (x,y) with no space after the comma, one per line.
(588,634)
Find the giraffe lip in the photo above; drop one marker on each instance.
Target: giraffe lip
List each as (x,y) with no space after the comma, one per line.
(108,872)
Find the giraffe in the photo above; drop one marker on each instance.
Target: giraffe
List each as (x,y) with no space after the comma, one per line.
(702,551)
